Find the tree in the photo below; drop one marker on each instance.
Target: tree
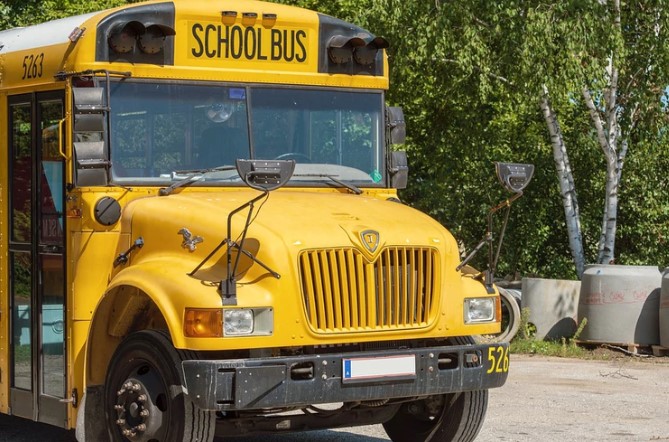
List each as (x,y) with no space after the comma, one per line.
(567,185)
(14,13)
(612,53)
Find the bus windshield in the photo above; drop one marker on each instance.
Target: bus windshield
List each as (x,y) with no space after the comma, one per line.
(159,131)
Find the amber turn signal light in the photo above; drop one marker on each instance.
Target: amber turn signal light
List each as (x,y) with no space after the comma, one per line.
(203,323)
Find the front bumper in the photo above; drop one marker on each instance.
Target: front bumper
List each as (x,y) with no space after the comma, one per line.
(256,383)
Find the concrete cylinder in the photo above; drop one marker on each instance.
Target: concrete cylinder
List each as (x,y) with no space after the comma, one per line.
(621,304)
(664,310)
(553,305)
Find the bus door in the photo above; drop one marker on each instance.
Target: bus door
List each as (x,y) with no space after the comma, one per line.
(36,259)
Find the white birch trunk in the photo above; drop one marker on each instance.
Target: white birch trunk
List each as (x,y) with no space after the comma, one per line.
(567,186)
(608,140)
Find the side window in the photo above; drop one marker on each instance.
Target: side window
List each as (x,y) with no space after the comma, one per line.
(51,179)
(21,163)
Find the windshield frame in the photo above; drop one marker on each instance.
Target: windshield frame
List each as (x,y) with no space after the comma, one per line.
(306,175)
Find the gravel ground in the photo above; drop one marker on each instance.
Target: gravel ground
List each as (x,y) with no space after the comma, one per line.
(545,399)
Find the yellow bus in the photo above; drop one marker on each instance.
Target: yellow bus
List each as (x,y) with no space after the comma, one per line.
(201,234)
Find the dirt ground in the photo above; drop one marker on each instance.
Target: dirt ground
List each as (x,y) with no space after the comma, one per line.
(552,399)
(545,399)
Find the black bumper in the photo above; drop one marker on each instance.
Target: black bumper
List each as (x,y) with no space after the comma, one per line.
(245,384)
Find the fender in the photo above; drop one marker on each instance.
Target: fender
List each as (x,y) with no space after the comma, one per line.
(158,280)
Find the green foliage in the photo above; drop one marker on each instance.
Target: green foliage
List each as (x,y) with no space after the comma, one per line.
(14,13)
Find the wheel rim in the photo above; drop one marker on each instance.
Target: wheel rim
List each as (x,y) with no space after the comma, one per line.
(142,405)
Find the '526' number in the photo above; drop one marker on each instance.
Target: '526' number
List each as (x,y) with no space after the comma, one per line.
(33,66)
(498,357)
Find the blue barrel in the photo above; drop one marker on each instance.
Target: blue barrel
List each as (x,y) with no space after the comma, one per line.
(621,304)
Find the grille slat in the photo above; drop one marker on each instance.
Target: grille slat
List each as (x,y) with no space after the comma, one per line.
(344,292)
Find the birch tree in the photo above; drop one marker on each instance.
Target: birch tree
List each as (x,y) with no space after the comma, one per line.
(611,141)
(567,185)
(627,49)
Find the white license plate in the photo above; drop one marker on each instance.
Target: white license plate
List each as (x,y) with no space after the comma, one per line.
(358,369)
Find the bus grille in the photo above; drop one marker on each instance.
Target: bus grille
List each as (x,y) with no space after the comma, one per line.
(344,292)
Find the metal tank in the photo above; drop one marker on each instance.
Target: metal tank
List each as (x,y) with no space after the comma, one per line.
(621,304)
(664,310)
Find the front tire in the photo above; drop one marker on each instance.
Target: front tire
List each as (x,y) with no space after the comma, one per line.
(511,319)
(144,393)
(454,417)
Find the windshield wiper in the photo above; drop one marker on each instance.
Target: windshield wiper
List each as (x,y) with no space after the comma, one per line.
(192,175)
(349,186)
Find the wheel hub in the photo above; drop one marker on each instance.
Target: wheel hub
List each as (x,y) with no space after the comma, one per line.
(137,417)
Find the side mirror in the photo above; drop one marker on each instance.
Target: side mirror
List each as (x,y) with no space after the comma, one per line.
(396,125)
(514,177)
(398,170)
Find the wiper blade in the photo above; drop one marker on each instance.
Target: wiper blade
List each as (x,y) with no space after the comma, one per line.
(349,186)
(192,175)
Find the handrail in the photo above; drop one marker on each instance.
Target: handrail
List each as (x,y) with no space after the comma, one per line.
(60,138)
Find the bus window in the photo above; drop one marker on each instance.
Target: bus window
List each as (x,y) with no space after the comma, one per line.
(334,128)
(161,128)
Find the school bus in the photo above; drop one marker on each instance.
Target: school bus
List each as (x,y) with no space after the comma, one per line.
(202,235)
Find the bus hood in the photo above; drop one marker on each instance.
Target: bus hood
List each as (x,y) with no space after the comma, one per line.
(283,225)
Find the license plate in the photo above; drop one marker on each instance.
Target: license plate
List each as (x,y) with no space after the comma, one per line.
(385,367)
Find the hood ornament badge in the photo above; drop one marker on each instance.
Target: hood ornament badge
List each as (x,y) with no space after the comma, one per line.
(370,239)
(190,242)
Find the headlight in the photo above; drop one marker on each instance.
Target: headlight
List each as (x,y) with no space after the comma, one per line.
(238,322)
(216,323)
(479,310)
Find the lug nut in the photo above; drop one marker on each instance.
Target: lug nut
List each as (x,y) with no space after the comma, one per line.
(136,387)
(144,413)
(140,427)
(141,398)
(120,421)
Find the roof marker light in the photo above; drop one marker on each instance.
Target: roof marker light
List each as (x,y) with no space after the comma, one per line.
(249,18)
(76,34)
(228,17)
(268,19)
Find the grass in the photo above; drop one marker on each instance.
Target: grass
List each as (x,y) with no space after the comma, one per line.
(525,342)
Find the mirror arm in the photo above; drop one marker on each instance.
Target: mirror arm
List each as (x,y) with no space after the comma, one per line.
(493,256)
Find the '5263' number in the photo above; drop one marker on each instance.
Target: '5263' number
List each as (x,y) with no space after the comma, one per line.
(33,66)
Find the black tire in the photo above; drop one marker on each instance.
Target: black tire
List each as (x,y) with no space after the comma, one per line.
(144,393)
(450,417)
